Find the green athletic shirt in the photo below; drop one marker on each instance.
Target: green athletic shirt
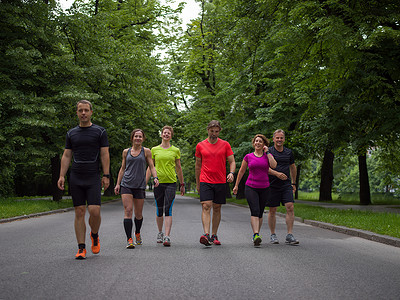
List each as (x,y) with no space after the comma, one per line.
(165,163)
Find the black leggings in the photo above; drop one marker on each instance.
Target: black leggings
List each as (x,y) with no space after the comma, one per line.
(256,198)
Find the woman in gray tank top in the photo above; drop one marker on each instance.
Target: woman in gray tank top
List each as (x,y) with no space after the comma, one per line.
(131,184)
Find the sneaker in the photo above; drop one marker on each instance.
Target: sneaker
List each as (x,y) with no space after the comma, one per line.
(215,240)
(274,239)
(290,240)
(130,245)
(257,240)
(167,241)
(95,244)
(81,254)
(160,237)
(138,239)
(205,240)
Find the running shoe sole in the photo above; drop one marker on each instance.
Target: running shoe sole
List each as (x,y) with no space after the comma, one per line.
(204,240)
(257,241)
(167,244)
(131,245)
(292,243)
(81,255)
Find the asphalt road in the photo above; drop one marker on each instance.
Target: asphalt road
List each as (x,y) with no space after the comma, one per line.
(37,261)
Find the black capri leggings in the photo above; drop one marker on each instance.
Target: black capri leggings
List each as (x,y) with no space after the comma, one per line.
(256,198)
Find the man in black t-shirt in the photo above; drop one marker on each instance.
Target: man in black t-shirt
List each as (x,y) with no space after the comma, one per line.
(282,186)
(88,145)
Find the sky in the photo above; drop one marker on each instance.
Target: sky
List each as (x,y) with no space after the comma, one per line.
(190,11)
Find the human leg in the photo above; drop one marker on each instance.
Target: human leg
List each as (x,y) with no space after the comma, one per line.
(159,195)
(253,197)
(206,215)
(289,216)
(169,201)
(79,224)
(127,202)
(138,210)
(216,217)
(94,218)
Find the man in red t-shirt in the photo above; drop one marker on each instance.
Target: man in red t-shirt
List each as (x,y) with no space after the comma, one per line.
(211,155)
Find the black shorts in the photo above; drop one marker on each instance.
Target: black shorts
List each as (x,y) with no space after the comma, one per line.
(85,189)
(164,195)
(278,196)
(213,192)
(136,193)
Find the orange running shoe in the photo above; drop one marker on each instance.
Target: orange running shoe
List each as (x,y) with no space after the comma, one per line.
(81,254)
(95,244)
(130,245)
(138,239)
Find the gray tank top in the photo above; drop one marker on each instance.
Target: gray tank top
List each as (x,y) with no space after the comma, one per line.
(135,171)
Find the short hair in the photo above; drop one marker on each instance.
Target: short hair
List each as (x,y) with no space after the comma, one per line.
(279,131)
(265,140)
(136,130)
(214,123)
(169,128)
(84,102)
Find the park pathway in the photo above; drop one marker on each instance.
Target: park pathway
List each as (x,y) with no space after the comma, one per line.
(37,261)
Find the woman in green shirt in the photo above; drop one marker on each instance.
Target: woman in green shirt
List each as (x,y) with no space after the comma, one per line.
(167,161)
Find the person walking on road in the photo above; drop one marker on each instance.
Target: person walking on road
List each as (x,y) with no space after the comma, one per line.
(131,184)
(257,183)
(167,161)
(282,186)
(87,144)
(210,169)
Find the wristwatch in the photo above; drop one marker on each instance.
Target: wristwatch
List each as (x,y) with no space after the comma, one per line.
(106,175)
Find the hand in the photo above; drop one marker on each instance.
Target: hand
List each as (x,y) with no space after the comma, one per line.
(60,183)
(182,190)
(265,148)
(105,182)
(294,188)
(116,189)
(156,183)
(282,176)
(235,189)
(198,187)
(230,177)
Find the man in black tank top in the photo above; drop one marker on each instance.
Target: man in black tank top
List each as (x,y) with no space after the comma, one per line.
(87,145)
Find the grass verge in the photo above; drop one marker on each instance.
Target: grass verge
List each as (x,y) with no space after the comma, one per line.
(378,222)
(21,206)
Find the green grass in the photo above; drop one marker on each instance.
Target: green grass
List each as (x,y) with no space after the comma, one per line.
(12,207)
(378,222)
(352,198)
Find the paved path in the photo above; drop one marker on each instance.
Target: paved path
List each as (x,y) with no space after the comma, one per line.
(37,261)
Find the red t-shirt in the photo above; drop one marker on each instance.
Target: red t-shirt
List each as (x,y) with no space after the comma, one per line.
(213,160)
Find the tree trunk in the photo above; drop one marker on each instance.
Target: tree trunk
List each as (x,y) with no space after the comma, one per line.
(55,174)
(365,195)
(325,187)
(296,194)
(240,193)
(110,190)
(228,191)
